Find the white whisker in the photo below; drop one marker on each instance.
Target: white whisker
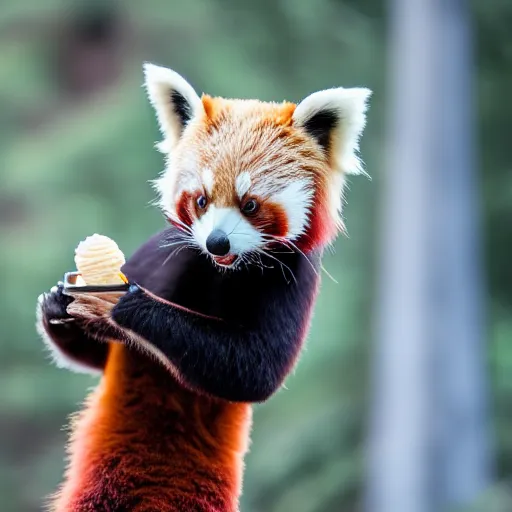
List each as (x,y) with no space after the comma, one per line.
(236,225)
(180,224)
(283,266)
(294,248)
(329,275)
(171,244)
(172,253)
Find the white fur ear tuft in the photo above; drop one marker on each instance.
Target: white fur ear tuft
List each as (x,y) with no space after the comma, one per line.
(335,118)
(175,101)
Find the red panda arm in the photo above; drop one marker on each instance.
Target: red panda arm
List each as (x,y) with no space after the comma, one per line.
(241,363)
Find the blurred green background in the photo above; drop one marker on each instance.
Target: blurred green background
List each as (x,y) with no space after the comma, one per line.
(76,153)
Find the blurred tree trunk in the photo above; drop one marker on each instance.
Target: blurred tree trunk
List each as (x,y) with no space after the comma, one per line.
(428,441)
(458,325)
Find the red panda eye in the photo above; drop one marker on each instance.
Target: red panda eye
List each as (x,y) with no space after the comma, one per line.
(202,202)
(250,207)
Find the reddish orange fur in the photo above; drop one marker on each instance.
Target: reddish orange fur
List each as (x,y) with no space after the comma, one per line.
(271,219)
(185,207)
(144,443)
(322,226)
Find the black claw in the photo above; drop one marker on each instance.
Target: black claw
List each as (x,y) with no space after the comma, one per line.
(54,304)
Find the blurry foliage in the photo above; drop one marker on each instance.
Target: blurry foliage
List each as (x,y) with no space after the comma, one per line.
(73,165)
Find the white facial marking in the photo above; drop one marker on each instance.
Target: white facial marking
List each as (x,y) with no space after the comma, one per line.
(336,185)
(296,198)
(242,235)
(243,184)
(208,180)
(172,182)
(189,184)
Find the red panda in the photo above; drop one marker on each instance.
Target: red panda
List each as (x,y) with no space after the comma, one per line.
(219,303)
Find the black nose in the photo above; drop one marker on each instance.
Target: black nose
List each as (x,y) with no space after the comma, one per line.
(217,243)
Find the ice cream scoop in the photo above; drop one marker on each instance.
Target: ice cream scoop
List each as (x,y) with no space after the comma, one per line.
(99,260)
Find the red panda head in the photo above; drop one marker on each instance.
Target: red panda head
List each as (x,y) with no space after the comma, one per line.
(243,176)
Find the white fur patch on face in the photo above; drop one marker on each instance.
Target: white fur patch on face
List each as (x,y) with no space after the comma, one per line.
(243,184)
(208,180)
(180,175)
(169,191)
(336,184)
(296,198)
(243,237)
(189,183)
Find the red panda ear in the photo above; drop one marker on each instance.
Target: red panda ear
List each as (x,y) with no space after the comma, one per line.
(175,101)
(335,118)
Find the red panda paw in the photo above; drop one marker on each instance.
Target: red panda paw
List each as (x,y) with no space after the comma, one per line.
(52,308)
(93,314)
(69,345)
